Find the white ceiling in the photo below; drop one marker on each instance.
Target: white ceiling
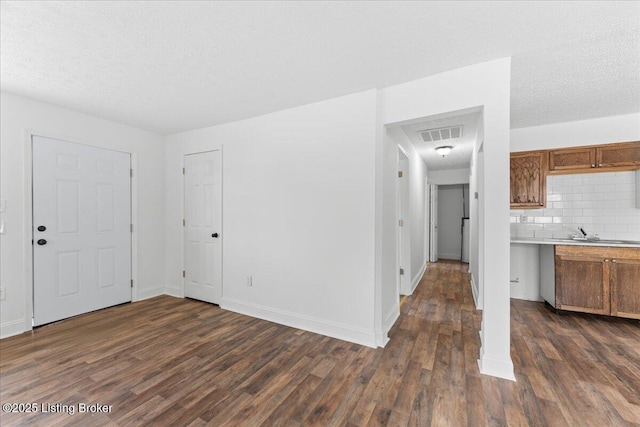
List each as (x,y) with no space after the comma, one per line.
(173,66)
(460,155)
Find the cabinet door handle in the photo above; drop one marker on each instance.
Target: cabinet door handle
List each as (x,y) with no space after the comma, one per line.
(606,260)
(613,260)
(600,165)
(593,166)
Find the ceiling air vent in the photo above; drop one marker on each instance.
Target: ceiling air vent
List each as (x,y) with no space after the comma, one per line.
(441,134)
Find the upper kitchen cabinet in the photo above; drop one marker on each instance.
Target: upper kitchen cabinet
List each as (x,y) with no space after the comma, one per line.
(599,158)
(570,159)
(619,155)
(528,179)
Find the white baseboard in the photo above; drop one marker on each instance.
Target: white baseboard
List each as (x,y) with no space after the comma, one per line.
(381,339)
(174,292)
(299,321)
(416,280)
(474,291)
(149,293)
(496,368)
(390,319)
(15,327)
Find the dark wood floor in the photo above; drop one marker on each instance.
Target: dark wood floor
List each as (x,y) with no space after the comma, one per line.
(168,361)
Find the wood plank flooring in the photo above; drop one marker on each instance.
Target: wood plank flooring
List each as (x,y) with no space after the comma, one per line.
(168,361)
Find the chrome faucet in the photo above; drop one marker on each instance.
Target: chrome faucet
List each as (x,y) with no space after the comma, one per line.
(585,236)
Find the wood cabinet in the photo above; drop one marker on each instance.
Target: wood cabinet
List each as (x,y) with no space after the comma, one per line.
(528,179)
(599,158)
(625,287)
(598,279)
(570,159)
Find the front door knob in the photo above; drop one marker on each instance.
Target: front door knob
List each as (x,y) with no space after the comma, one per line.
(214,235)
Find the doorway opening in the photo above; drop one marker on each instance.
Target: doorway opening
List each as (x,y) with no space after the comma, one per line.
(453,226)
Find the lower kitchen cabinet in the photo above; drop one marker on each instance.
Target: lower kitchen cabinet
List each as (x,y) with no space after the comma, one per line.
(625,287)
(599,280)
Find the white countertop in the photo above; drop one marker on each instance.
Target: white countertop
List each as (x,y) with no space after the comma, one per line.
(539,241)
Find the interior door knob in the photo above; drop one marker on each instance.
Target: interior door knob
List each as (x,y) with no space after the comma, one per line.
(214,235)
(42,242)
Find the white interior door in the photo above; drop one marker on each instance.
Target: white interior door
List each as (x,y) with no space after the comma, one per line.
(203,212)
(82,229)
(433,223)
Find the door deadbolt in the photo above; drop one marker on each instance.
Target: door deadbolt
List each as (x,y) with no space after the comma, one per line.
(42,242)
(41,228)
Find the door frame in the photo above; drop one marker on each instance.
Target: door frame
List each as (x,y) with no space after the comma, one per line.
(222,233)
(403,212)
(28,135)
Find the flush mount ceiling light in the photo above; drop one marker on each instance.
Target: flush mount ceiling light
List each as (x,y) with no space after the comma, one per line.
(443,150)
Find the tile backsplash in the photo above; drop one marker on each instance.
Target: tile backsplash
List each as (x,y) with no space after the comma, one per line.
(601,203)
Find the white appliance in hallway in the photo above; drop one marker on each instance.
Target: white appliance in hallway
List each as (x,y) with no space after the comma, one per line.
(203,226)
(82,229)
(465,240)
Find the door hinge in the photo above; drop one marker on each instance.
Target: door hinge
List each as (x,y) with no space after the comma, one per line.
(400,223)
(184,273)
(402,271)
(132,283)
(182,171)
(184,223)
(399,174)
(131,227)
(131,172)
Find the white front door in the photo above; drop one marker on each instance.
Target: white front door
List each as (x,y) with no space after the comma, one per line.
(202,225)
(81,229)
(433,223)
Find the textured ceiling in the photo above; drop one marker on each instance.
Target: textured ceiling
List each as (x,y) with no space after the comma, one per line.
(460,155)
(174,66)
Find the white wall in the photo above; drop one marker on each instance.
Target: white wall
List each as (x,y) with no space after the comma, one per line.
(476,216)
(298,214)
(450,213)
(449,176)
(20,117)
(484,85)
(583,132)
